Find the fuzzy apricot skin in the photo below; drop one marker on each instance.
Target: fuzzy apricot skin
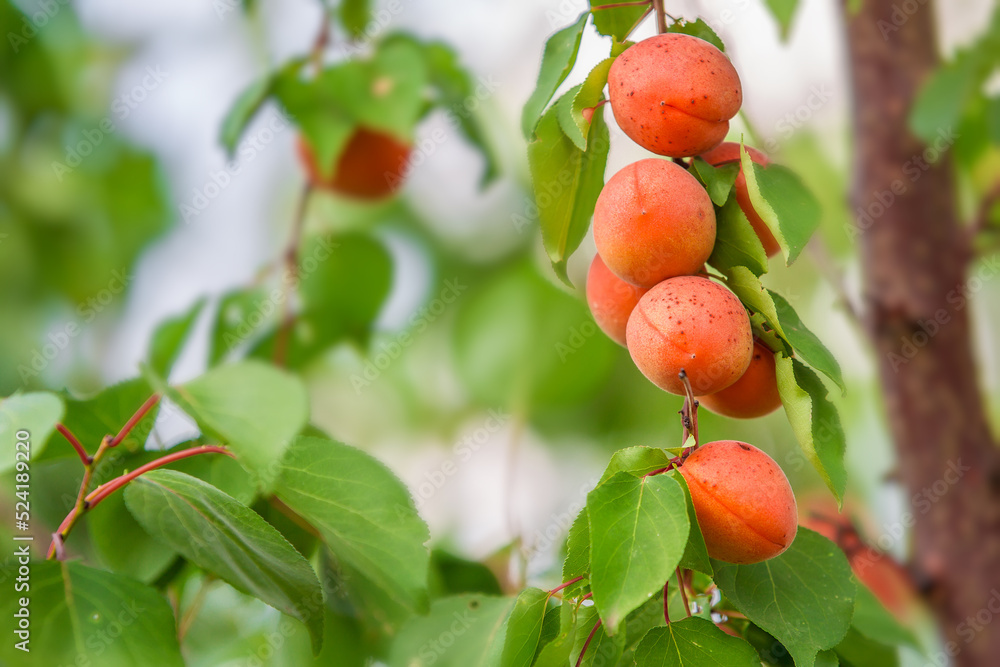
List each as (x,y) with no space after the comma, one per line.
(730,152)
(744,503)
(371,166)
(674,94)
(755,394)
(693,324)
(653,221)
(611,299)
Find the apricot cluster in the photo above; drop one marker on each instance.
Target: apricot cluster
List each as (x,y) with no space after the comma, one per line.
(654,227)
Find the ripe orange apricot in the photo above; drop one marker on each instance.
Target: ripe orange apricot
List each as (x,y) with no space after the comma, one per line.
(692,324)
(674,94)
(755,394)
(730,152)
(744,503)
(370,167)
(652,221)
(611,299)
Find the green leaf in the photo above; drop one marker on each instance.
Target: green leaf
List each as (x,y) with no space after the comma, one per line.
(754,296)
(36,413)
(993,119)
(944,97)
(567,182)
(243,316)
(577,561)
(524,628)
(227,538)
(254,408)
(814,420)
(859,651)
(83,616)
(736,243)
(355,15)
(585,96)
(455,88)
(806,344)
(364,513)
(828,659)
(638,529)
(452,575)
(458,632)
(874,621)
(804,597)
(783,12)
(699,29)
(244,109)
(695,552)
(557,61)
(636,461)
(616,22)
(718,181)
(169,338)
(786,206)
(557,652)
(693,642)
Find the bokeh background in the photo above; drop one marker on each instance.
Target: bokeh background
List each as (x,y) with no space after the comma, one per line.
(512,364)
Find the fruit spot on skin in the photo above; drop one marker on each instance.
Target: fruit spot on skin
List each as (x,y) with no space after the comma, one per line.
(679,99)
(693,324)
(653,221)
(611,300)
(744,503)
(729,152)
(755,394)
(370,167)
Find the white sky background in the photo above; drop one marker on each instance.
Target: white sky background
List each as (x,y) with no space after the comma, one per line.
(210,59)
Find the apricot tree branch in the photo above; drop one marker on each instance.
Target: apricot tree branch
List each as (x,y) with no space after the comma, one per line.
(661,16)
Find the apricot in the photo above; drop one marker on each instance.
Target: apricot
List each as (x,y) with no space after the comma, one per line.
(744,503)
(755,394)
(611,299)
(370,167)
(674,94)
(730,152)
(692,324)
(653,221)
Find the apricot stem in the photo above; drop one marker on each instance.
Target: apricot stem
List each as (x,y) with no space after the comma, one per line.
(661,16)
(689,415)
(566,585)
(135,419)
(684,595)
(666,602)
(590,637)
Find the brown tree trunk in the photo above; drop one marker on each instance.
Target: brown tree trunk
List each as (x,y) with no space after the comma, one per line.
(915,260)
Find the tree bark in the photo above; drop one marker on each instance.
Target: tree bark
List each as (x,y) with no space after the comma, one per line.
(915,260)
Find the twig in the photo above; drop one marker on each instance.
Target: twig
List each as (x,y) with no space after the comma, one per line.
(73,440)
(684,595)
(689,416)
(135,419)
(566,585)
(291,256)
(590,637)
(666,602)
